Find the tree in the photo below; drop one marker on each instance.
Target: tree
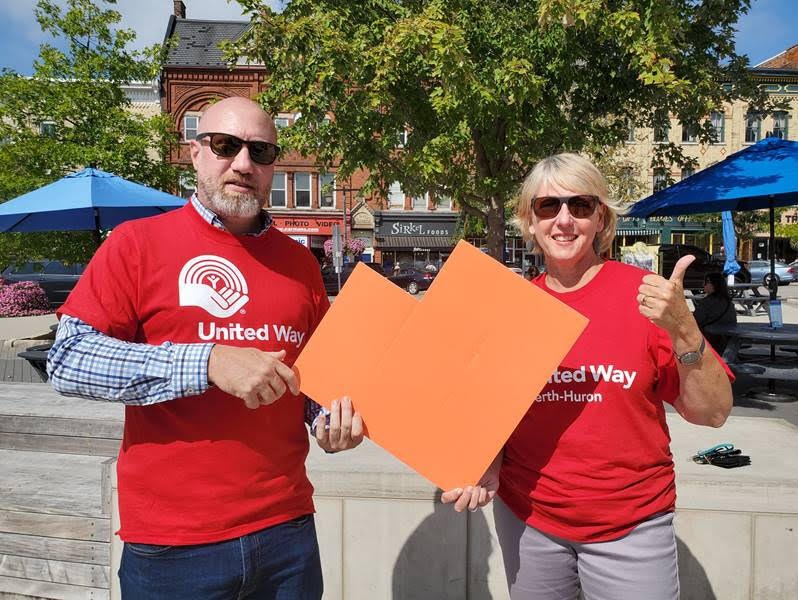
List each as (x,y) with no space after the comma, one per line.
(72,113)
(485,88)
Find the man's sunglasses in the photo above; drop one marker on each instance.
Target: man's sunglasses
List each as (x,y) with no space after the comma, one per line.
(580,207)
(228,146)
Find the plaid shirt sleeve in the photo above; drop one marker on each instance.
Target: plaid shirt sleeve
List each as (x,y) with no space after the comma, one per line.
(86,363)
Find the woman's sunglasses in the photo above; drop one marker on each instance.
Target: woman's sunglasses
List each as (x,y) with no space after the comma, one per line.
(228,146)
(580,207)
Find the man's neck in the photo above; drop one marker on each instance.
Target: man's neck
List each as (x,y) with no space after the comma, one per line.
(241,225)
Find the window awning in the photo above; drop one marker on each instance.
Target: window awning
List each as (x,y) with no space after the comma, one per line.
(404,242)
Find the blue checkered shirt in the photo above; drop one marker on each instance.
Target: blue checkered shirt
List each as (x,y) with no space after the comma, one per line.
(86,363)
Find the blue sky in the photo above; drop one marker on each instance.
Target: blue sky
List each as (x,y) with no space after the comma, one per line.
(770,26)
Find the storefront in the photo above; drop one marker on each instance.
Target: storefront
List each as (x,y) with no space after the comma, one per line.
(666,230)
(310,231)
(414,238)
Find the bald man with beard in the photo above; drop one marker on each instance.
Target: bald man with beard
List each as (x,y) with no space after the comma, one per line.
(192,320)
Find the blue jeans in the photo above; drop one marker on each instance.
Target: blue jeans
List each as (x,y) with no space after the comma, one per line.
(276,563)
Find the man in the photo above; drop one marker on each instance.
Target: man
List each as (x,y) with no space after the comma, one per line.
(192,319)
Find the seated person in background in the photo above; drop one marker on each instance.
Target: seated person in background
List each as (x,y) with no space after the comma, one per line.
(716,308)
(532,272)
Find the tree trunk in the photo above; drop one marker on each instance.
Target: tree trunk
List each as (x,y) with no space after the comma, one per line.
(495,229)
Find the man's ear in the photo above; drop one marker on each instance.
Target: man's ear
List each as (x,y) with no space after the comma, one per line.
(194,148)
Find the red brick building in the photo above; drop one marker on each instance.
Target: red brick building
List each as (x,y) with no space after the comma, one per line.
(304,203)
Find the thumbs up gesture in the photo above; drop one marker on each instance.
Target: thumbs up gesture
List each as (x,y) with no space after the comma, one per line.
(662,300)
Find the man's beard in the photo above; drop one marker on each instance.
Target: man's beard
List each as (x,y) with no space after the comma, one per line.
(228,204)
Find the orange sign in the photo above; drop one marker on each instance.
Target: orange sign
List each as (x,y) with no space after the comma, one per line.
(478,349)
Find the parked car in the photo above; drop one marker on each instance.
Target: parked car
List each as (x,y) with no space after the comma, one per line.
(704,264)
(420,279)
(56,278)
(330,277)
(760,272)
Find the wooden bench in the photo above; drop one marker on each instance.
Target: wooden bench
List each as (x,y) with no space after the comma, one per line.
(55,488)
(37,359)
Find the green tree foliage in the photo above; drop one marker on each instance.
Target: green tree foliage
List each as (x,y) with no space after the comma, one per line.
(72,113)
(486,88)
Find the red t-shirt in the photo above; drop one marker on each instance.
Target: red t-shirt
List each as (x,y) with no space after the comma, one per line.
(591,459)
(205,468)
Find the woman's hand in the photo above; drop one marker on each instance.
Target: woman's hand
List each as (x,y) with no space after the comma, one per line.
(662,300)
(479,495)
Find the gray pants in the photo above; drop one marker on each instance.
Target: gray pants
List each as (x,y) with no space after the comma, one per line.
(640,565)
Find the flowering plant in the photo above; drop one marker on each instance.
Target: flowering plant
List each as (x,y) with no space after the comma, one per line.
(23,299)
(353,247)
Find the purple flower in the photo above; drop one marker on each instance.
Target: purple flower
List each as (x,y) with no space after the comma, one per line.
(23,299)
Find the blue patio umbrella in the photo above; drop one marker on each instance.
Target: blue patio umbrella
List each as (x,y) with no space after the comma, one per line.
(730,267)
(89,200)
(764,175)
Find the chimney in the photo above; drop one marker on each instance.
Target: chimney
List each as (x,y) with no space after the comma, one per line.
(180,9)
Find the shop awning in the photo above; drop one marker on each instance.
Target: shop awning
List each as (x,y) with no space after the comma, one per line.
(406,242)
(635,232)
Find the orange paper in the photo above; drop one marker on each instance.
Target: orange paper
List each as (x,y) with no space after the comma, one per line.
(442,382)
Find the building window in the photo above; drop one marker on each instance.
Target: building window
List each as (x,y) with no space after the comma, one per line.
(780,124)
(753,127)
(661,132)
(302,190)
(689,135)
(190,125)
(281,122)
(630,133)
(396,197)
(401,138)
(660,179)
(718,120)
(443,202)
(420,202)
(327,190)
(47,129)
(277,198)
(687,172)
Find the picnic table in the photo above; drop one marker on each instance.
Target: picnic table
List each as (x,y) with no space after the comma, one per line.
(773,365)
(749,299)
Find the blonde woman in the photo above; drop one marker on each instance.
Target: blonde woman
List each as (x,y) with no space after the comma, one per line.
(585,484)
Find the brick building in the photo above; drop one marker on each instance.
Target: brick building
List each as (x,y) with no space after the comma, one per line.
(304,202)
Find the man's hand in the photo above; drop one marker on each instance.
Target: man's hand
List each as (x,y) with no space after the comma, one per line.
(257,377)
(346,428)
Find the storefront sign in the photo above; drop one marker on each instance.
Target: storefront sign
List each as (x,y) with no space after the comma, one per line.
(302,239)
(307,225)
(416,228)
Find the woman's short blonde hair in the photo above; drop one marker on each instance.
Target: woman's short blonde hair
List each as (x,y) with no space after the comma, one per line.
(577,174)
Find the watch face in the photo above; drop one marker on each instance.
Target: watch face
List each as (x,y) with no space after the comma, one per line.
(690,358)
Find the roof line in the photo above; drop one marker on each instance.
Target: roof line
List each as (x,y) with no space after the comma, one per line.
(213,21)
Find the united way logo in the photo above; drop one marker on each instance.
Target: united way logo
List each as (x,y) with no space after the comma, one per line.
(214,284)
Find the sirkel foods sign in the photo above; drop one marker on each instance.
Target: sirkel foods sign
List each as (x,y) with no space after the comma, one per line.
(306,225)
(417,228)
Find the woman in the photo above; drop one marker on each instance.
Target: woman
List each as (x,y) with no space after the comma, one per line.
(586,489)
(716,308)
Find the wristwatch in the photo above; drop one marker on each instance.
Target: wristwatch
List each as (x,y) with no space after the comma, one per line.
(693,356)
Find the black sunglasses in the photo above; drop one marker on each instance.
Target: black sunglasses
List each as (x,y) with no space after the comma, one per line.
(580,207)
(228,146)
